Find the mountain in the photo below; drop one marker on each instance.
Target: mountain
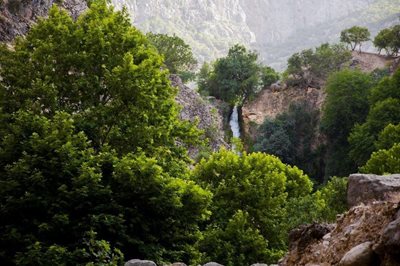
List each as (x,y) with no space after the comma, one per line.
(276,29)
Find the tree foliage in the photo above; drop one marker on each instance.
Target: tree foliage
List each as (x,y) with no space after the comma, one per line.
(384,101)
(346,104)
(389,40)
(311,68)
(289,136)
(101,69)
(355,36)
(386,161)
(90,169)
(236,77)
(250,195)
(178,56)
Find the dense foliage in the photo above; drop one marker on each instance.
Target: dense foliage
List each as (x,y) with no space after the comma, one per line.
(312,67)
(178,56)
(389,40)
(236,77)
(90,169)
(249,205)
(384,100)
(355,36)
(290,136)
(346,104)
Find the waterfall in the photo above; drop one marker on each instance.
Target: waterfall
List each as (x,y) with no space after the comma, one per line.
(234,122)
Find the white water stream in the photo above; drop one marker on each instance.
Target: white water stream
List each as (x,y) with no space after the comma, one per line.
(234,123)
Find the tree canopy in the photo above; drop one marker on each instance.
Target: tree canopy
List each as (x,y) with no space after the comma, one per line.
(236,77)
(312,67)
(355,36)
(389,40)
(90,168)
(178,56)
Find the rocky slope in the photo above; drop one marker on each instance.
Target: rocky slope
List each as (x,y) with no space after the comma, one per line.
(368,234)
(16,16)
(196,109)
(275,28)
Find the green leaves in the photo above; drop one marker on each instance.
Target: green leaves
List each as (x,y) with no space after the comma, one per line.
(250,196)
(355,36)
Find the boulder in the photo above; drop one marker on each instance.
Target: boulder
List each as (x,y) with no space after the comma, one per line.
(363,188)
(259,264)
(136,262)
(212,264)
(306,234)
(359,255)
(178,264)
(389,242)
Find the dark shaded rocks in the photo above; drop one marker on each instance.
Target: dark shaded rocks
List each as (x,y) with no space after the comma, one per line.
(304,235)
(363,188)
(136,262)
(16,17)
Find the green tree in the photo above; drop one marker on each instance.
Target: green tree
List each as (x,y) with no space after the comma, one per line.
(178,56)
(388,40)
(89,161)
(312,67)
(100,68)
(290,137)
(384,161)
(355,36)
(388,137)
(269,76)
(236,77)
(256,187)
(383,40)
(346,104)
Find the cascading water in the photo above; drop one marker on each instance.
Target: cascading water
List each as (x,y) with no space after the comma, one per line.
(234,123)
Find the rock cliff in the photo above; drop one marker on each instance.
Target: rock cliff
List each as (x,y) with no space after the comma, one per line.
(368,234)
(16,16)
(275,28)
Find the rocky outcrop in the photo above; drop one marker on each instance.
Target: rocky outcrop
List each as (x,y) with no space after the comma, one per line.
(367,234)
(276,29)
(17,16)
(365,189)
(136,262)
(196,109)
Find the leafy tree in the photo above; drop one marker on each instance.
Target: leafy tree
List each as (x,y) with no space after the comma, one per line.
(346,104)
(388,40)
(236,77)
(311,68)
(388,137)
(100,68)
(89,165)
(290,135)
(55,189)
(269,76)
(384,161)
(250,195)
(355,36)
(178,56)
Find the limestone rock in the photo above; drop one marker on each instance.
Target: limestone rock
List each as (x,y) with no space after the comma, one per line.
(136,262)
(194,107)
(178,264)
(212,264)
(363,188)
(259,264)
(16,17)
(359,255)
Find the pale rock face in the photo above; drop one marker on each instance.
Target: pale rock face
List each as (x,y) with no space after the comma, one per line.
(275,28)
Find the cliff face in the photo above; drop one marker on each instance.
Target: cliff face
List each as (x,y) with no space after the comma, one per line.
(276,29)
(16,16)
